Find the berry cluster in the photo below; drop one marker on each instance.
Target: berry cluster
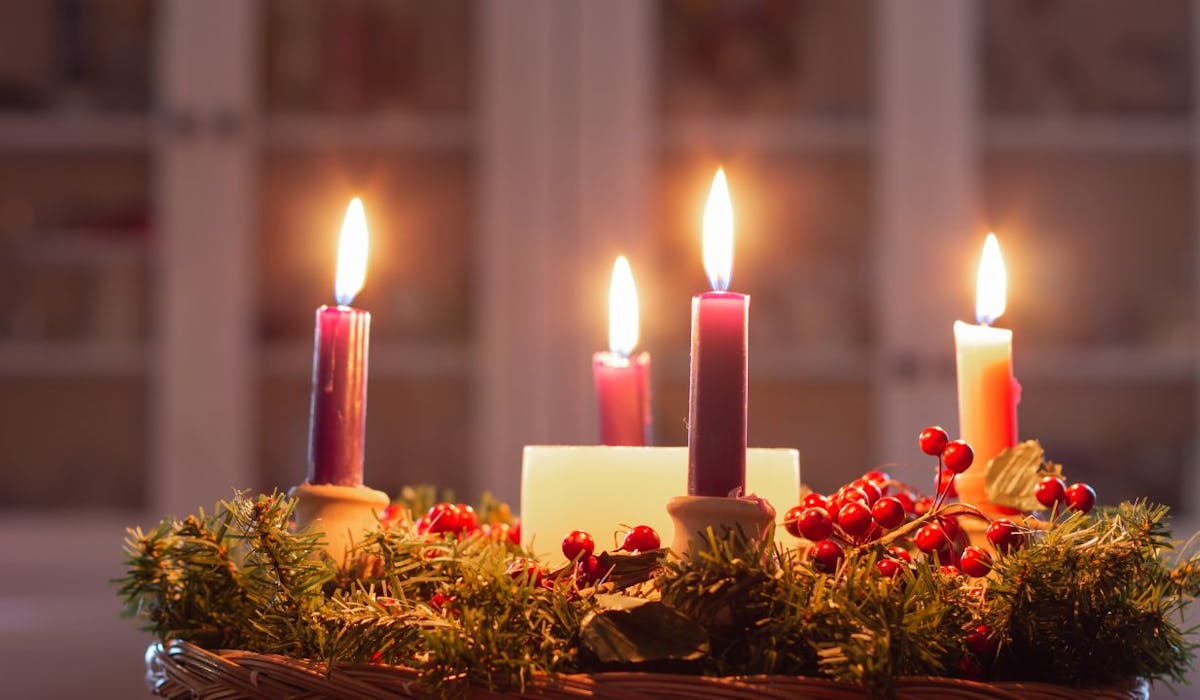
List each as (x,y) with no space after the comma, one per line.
(454,520)
(869,508)
(580,548)
(878,509)
(1053,492)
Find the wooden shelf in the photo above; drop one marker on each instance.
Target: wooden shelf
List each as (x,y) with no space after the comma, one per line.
(1090,134)
(73,131)
(389,131)
(699,134)
(29,358)
(281,359)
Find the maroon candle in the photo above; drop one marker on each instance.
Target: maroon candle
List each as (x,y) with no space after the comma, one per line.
(622,381)
(623,398)
(338,412)
(717,401)
(337,419)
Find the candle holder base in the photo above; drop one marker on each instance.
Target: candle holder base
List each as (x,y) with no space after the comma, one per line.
(343,513)
(693,515)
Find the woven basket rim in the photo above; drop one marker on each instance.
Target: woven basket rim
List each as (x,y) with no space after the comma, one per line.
(181,669)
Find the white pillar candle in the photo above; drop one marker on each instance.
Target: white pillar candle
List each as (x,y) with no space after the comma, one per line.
(601,489)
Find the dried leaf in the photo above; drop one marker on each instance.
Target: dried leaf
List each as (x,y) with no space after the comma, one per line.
(635,630)
(1013,474)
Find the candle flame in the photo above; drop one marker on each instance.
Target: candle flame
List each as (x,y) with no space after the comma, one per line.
(991,287)
(352,254)
(718,233)
(622,309)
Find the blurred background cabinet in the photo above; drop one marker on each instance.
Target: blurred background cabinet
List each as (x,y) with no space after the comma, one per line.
(173,175)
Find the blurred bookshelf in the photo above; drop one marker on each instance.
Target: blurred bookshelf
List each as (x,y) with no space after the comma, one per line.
(1081,155)
(1088,172)
(369,99)
(76,252)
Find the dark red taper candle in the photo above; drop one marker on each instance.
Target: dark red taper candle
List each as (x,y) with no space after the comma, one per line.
(337,418)
(718,397)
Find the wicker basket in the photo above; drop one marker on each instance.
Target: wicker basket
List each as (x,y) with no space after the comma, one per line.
(184,670)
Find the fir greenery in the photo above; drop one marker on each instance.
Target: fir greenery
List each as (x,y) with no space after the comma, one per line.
(1092,600)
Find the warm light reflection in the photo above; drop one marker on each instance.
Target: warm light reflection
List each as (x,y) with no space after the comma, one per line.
(991,287)
(622,309)
(718,233)
(352,254)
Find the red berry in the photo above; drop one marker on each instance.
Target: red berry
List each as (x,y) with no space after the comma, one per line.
(835,504)
(1004,535)
(971,668)
(922,506)
(847,494)
(467,521)
(578,544)
(901,554)
(589,570)
(855,518)
(514,533)
(888,512)
(949,570)
(526,570)
(815,524)
(825,555)
(931,537)
(888,567)
(975,562)
(642,538)
(1080,497)
(879,478)
(871,491)
(440,601)
(933,440)
(906,500)
(790,518)
(950,525)
(815,500)
(1049,490)
(981,641)
(442,517)
(394,513)
(958,456)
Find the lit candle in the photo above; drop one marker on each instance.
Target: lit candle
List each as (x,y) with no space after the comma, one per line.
(622,380)
(987,392)
(717,400)
(337,418)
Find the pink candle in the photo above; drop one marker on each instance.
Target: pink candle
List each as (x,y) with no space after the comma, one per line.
(338,412)
(622,381)
(987,391)
(717,401)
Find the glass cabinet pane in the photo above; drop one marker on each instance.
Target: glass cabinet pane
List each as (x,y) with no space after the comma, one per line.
(765,57)
(1087,57)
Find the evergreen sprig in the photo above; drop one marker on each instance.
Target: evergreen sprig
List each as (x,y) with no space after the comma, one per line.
(1094,599)
(1102,588)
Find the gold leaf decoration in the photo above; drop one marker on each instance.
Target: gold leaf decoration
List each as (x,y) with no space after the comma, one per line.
(1012,475)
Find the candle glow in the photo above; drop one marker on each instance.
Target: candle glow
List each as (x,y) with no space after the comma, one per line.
(718,233)
(352,254)
(991,290)
(622,310)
